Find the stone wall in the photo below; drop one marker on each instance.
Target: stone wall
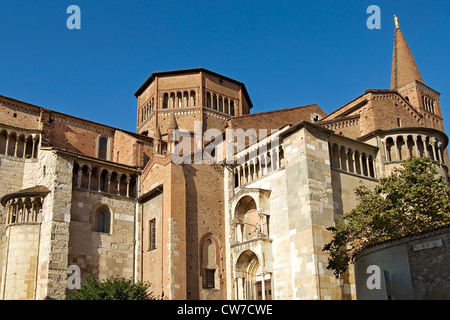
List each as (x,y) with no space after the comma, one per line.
(22,253)
(310,212)
(54,240)
(16,174)
(102,254)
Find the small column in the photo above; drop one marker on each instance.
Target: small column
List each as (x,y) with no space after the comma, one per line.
(24,210)
(30,214)
(367,166)
(33,210)
(11,211)
(440,152)
(263,285)
(433,148)
(239,176)
(108,180)
(99,173)
(275,158)
(128,185)
(416,148)
(15,148)
(424,140)
(8,217)
(397,153)
(33,155)
(383,141)
(79,176)
(7,143)
(260,166)
(89,177)
(339,157)
(352,160)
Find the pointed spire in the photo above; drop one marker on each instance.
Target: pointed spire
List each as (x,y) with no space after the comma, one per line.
(404,68)
(157,134)
(172,122)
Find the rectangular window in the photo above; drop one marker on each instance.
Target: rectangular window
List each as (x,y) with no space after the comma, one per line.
(208,278)
(152,234)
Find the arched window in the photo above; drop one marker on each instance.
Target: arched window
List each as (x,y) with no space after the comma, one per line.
(215,102)
(166,101)
(208,100)
(103,148)
(208,265)
(11,144)
(192,101)
(103,220)
(3,140)
(232,111)
(210,262)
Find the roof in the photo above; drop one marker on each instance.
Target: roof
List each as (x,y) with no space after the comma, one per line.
(404,67)
(193,70)
(134,134)
(432,231)
(38,190)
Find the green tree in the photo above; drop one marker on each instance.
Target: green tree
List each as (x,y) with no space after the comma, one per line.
(114,288)
(411,200)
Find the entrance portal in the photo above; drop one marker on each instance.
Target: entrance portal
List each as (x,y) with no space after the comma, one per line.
(250,282)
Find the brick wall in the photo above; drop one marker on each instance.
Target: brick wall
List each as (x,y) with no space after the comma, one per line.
(276,119)
(19,114)
(430,273)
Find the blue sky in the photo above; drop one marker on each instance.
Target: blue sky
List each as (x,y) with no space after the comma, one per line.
(288,53)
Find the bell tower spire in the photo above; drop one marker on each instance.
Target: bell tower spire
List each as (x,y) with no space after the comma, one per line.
(404,67)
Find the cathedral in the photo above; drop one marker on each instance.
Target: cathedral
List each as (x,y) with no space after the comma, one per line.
(206,200)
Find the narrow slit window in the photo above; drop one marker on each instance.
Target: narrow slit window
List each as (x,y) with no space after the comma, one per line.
(103,222)
(152,234)
(102,148)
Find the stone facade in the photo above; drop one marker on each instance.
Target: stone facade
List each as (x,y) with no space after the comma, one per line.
(242,213)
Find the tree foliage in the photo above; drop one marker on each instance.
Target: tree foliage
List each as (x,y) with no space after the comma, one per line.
(114,288)
(411,200)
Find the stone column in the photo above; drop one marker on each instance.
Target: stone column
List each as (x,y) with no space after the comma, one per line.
(433,148)
(339,157)
(108,182)
(263,285)
(15,148)
(440,152)
(397,153)
(119,179)
(89,177)
(9,216)
(7,143)
(128,185)
(351,160)
(99,172)
(79,175)
(34,145)
(424,140)
(416,146)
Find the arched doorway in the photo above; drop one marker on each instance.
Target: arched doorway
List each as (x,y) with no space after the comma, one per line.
(250,282)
